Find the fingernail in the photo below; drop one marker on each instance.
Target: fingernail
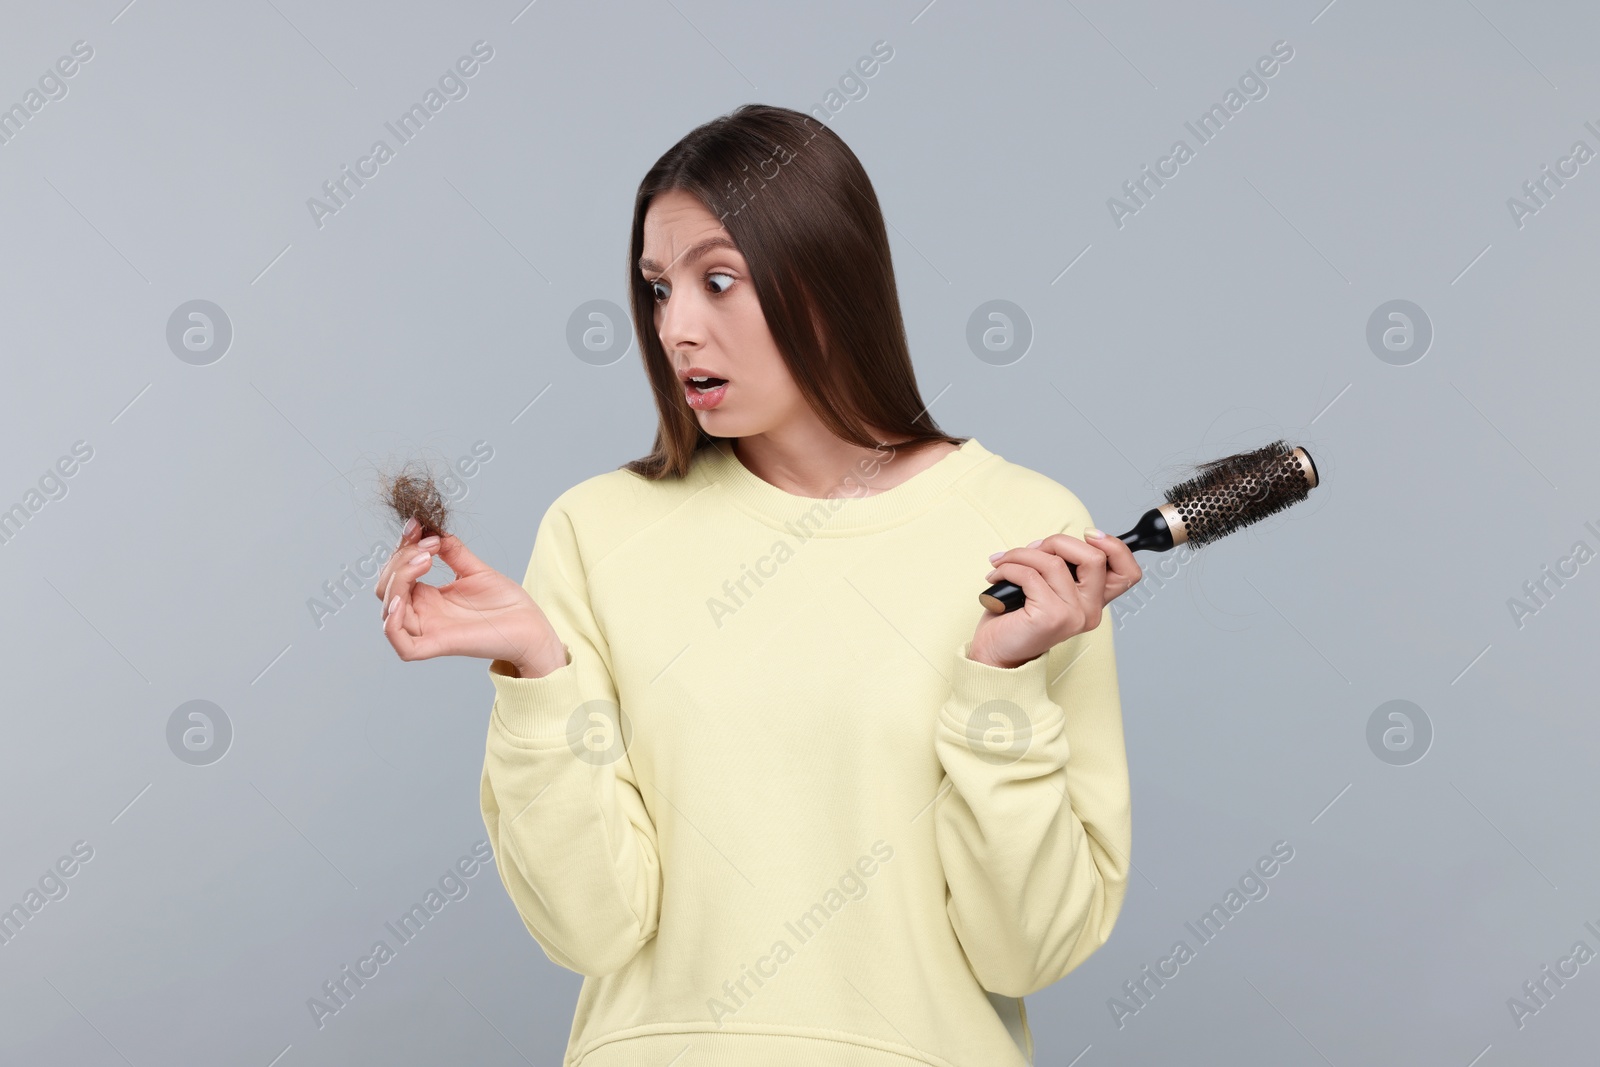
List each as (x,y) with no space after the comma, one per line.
(419,557)
(996,556)
(394,603)
(1092,532)
(1036,544)
(992,575)
(430,542)
(411,524)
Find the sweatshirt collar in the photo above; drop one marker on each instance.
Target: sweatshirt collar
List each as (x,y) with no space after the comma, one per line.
(844,514)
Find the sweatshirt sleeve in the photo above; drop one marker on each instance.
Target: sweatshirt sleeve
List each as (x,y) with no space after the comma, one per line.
(573,841)
(1033,821)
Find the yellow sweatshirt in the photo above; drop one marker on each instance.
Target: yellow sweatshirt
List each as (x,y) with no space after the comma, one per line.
(768,807)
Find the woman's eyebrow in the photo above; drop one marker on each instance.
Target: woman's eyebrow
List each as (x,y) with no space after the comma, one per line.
(693,252)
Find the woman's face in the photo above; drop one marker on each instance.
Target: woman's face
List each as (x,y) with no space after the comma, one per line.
(708,317)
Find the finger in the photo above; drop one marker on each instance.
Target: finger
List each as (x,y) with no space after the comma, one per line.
(410,534)
(409,646)
(1071,550)
(402,586)
(1090,560)
(1041,597)
(1119,558)
(398,559)
(1049,564)
(459,558)
(398,562)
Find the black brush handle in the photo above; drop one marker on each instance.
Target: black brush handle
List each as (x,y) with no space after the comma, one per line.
(1152,534)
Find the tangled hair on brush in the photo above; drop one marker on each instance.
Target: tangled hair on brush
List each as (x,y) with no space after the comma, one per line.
(412,493)
(1228,494)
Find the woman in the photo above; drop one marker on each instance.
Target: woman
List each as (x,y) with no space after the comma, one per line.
(746,769)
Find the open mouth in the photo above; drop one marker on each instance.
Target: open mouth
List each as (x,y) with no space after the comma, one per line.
(703,394)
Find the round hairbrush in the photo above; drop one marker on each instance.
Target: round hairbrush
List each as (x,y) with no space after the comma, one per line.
(1227,494)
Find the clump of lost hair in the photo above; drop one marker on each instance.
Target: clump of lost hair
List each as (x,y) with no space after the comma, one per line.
(412,493)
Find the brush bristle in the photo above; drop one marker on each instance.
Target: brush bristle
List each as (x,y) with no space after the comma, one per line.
(1229,494)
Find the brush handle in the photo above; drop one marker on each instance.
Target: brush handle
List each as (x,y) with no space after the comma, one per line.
(1152,534)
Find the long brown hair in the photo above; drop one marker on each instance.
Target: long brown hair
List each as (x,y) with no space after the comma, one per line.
(799,206)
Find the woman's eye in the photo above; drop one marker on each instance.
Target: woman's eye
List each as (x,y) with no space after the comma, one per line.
(661,290)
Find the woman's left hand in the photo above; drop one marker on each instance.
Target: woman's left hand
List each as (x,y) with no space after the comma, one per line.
(1057,607)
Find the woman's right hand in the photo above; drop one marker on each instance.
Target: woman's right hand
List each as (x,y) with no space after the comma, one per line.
(482,613)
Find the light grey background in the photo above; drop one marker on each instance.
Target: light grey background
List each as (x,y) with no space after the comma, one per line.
(431,312)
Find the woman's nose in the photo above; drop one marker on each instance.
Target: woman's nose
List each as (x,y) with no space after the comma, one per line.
(680,323)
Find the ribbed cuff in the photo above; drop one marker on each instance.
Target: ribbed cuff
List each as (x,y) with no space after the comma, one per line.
(973,684)
(535,708)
